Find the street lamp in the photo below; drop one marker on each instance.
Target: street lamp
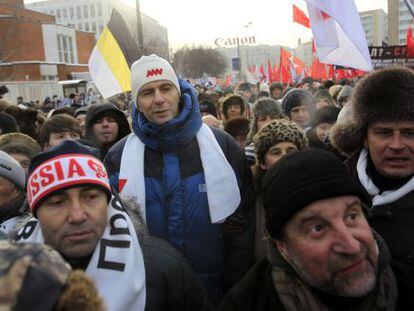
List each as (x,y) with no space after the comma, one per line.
(238,48)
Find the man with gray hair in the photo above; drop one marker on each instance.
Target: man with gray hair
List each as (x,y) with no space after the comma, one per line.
(12,196)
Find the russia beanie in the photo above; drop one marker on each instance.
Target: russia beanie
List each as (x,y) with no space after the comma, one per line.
(69,164)
(301,178)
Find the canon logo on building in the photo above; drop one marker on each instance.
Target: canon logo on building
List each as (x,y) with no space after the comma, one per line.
(229,42)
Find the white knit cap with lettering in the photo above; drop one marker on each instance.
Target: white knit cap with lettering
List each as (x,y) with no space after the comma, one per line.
(149,69)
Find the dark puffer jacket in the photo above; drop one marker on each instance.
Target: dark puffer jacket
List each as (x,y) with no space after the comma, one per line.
(105,110)
(177,208)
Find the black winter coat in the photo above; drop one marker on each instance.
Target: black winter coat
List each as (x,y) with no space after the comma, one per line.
(395,223)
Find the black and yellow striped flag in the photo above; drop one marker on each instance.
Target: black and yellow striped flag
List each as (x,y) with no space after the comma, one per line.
(112,57)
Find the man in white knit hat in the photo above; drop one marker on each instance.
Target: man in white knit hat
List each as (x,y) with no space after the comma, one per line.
(191,181)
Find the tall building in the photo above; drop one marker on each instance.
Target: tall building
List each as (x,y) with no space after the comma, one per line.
(375,24)
(399,19)
(34,48)
(93,15)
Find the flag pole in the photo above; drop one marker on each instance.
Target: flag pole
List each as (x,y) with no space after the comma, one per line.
(139,27)
(410,7)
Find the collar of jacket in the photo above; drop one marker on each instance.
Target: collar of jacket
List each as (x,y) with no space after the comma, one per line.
(174,133)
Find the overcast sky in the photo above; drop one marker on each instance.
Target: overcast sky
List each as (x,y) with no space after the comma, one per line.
(201,21)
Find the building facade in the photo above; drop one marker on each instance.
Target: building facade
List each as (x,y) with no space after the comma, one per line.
(399,19)
(93,15)
(35,48)
(251,55)
(375,25)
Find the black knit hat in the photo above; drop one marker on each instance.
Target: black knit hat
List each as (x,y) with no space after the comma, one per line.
(327,114)
(297,97)
(301,178)
(8,124)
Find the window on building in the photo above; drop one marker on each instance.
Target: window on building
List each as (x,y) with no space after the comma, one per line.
(71,13)
(58,13)
(99,9)
(65,13)
(86,26)
(78,12)
(94,27)
(85,11)
(60,48)
(65,49)
(100,27)
(92,10)
(80,26)
(71,57)
(52,12)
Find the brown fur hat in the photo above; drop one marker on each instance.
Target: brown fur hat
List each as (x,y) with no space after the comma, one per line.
(384,95)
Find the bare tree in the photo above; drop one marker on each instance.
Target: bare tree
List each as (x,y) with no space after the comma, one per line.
(194,62)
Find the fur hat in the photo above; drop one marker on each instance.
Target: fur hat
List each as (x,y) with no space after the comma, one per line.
(384,95)
(297,97)
(323,94)
(237,127)
(8,123)
(327,114)
(35,277)
(19,143)
(263,107)
(275,132)
(276,85)
(149,69)
(301,178)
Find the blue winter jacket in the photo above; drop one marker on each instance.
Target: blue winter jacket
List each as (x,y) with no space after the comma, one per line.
(176,200)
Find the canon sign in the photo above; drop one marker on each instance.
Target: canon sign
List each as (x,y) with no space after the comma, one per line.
(229,42)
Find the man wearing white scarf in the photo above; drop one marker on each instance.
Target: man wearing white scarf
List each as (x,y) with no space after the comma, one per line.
(76,213)
(378,134)
(191,182)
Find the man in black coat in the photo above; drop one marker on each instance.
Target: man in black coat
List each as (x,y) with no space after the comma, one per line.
(378,135)
(322,253)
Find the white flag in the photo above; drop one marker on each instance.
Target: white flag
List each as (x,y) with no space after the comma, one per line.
(338,33)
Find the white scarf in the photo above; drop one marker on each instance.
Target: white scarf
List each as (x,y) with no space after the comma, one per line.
(223,193)
(117,263)
(385,197)
(7,226)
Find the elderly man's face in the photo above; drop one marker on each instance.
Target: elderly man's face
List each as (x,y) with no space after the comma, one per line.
(73,220)
(8,191)
(158,101)
(330,245)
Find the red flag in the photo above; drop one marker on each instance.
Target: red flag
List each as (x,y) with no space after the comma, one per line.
(300,17)
(410,43)
(318,69)
(331,72)
(270,71)
(262,73)
(228,80)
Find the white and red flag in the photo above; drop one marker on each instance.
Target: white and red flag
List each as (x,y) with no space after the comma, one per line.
(338,33)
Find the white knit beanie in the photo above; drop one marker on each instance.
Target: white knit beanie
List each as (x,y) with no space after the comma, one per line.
(148,69)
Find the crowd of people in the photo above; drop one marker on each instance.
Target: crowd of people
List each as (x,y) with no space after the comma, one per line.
(187,197)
